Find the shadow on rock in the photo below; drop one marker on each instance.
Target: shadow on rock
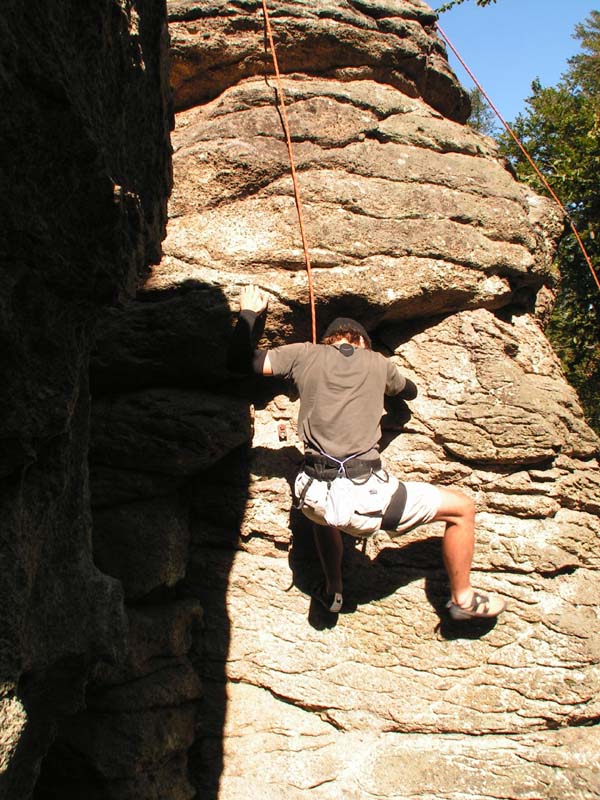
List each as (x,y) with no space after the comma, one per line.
(369,579)
(449,628)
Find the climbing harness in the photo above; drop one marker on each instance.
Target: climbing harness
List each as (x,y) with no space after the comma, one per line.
(340,504)
(341,501)
(521,146)
(288,139)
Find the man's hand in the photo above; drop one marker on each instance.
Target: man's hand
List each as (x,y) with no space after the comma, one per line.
(252,299)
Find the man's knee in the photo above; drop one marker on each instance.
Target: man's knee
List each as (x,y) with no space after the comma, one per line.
(469,507)
(455,504)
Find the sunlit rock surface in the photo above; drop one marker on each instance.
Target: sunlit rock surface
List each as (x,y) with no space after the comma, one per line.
(417,228)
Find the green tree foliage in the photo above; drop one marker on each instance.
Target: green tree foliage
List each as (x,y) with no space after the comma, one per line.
(584,68)
(482,117)
(452,3)
(561,131)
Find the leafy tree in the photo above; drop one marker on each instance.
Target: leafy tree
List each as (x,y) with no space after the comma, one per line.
(561,131)
(482,117)
(452,3)
(584,68)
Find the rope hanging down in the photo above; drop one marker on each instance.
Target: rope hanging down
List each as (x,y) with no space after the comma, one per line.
(288,139)
(540,175)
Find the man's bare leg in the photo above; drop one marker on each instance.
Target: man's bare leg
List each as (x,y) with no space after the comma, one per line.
(457,510)
(330,548)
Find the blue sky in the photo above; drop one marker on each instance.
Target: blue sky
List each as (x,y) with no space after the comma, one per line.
(512,42)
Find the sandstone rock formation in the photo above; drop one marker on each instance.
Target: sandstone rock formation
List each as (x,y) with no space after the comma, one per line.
(214,47)
(234,682)
(417,228)
(86,173)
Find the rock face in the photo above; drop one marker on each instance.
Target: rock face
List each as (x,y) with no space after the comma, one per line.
(215,47)
(416,228)
(86,173)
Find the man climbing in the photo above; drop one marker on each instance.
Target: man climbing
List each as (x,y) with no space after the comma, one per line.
(342,486)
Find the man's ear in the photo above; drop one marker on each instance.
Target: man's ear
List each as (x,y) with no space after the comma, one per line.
(362,343)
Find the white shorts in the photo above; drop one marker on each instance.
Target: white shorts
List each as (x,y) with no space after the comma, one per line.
(372,498)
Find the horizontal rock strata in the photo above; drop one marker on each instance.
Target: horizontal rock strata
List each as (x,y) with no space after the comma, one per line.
(417,228)
(293,746)
(217,44)
(414,231)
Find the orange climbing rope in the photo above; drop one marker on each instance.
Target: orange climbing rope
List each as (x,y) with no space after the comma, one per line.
(288,139)
(554,196)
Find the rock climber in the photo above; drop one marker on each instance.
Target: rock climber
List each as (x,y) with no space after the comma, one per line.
(342,486)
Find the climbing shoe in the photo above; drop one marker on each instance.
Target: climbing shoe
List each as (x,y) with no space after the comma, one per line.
(482,606)
(332,602)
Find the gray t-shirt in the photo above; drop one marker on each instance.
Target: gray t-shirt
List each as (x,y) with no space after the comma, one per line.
(341,391)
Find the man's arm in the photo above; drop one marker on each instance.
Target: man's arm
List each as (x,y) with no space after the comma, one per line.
(398,385)
(242,355)
(410,390)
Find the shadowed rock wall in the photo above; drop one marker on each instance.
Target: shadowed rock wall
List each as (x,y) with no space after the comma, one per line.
(86,172)
(416,228)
